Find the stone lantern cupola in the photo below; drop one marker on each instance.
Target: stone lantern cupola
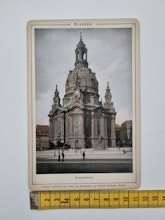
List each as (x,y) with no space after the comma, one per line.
(81,54)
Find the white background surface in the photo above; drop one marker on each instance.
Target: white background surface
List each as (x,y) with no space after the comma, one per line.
(14,14)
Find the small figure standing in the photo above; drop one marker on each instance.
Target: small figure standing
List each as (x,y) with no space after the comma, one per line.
(63,156)
(59,156)
(83,155)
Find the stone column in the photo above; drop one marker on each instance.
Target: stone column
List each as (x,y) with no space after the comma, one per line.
(102,126)
(105,126)
(51,132)
(93,130)
(81,135)
(71,127)
(105,132)
(113,135)
(102,131)
(53,129)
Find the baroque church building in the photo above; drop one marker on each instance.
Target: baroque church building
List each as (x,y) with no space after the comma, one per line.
(82,121)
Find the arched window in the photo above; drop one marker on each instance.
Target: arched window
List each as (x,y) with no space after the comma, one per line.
(77,55)
(84,56)
(76,126)
(92,83)
(67,83)
(98,127)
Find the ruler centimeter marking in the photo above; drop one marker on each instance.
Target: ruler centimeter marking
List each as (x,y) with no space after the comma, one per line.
(98,199)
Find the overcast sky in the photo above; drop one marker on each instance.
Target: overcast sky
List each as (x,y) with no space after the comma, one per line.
(109,56)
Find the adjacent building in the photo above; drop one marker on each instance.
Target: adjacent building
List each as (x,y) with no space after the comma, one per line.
(126,133)
(117,130)
(42,137)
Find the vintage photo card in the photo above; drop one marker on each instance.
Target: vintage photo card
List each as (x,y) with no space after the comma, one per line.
(83,104)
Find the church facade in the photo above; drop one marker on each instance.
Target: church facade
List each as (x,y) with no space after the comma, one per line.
(82,120)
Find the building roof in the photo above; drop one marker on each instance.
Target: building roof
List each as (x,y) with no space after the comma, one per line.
(117,126)
(42,129)
(127,123)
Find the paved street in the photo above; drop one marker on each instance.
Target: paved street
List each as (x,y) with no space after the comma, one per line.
(122,153)
(96,161)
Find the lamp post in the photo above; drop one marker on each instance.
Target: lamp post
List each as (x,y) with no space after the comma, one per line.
(54,150)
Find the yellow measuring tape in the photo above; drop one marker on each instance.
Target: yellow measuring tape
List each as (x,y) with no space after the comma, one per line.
(98,199)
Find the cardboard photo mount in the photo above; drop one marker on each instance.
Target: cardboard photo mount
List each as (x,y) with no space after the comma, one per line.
(77,145)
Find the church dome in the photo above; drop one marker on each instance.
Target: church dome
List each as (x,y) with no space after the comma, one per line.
(81,80)
(81,76)
(84,77)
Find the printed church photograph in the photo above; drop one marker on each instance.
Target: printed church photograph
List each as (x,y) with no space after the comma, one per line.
(83,92)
